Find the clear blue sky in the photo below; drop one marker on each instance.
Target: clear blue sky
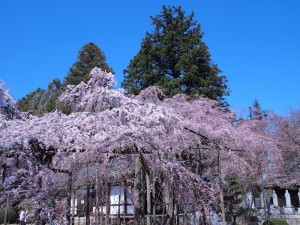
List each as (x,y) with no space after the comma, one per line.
(255,42)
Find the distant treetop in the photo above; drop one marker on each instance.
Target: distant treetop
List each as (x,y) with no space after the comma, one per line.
(89,56)
(42,101)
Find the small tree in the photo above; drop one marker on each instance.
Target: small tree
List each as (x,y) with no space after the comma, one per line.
(233,192)
(174,57)
(256,112)
(7,102)
(12,215)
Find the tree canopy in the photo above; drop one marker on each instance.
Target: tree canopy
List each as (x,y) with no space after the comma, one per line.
(174,57)
(179,140)
(287,138)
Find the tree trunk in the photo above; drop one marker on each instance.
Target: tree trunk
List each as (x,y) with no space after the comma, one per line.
(148,200)
(87,209)
(184,215)
(137,191)
(97,198)
(107,205)
(143,195)
(69,194)
(221,188)
(6,209)
(153,206)
(176,214)
(222,205)
(73,207)
(168,196)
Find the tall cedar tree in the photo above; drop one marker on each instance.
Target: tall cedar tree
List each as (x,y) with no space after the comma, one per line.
(174,57)
(89,56)
(42,101)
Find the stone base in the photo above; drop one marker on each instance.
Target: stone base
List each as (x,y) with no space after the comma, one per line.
(288,211)
(275,210)
(261,211)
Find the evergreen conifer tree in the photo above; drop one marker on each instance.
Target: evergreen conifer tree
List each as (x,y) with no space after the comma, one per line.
(42,101)
(89,56)
(174,57)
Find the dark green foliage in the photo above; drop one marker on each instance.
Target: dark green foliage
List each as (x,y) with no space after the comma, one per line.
(89,56)
(12,215)
(42,101)
(174,57)
(275,222)
(234,192)
(250,216)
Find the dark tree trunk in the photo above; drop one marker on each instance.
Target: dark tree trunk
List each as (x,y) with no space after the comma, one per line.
(221,187)
(137,192)
(87,209)
(107,205)
(168,197)
(69,194)
(6,210)
(97,198)
(148,200)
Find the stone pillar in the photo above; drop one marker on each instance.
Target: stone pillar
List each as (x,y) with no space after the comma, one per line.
(275,199)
